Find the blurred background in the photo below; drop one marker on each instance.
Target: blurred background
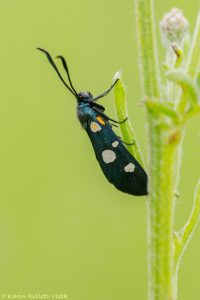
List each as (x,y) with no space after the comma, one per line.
(63,228)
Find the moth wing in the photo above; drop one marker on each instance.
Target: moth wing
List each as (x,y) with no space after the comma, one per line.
(116,162)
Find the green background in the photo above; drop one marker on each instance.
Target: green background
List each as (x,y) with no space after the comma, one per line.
(63,227)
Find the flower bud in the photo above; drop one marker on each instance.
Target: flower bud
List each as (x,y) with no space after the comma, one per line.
(174,27)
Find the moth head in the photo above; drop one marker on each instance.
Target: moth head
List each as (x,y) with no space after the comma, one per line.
(84,96)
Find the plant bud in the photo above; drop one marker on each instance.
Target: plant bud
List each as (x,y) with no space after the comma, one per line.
(174,27)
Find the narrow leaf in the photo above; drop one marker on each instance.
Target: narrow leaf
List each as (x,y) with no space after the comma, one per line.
(189,88)
(128,134)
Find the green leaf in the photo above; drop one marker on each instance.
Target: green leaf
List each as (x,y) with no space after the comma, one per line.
(158,107)
(128,134)
(189,87)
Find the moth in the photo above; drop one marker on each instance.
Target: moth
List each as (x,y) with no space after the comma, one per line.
(118,165)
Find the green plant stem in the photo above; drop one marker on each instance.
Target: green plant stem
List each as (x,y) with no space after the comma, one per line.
(193,62)
(192,65)
(183,237)
(147,48)
(162,149)
(165,133)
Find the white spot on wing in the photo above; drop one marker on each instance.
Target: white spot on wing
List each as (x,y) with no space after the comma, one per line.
(129,168)
(95,127)
(115,144)
(108,156)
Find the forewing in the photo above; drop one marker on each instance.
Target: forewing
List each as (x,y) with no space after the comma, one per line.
(116,162)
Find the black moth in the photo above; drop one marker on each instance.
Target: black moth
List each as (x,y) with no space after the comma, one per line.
(116,162)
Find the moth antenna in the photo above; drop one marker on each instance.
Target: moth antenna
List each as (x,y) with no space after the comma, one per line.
(67,71)
(56,69)
(106,92)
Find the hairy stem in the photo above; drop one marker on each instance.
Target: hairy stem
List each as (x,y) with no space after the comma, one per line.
(147,48)
(185,234)
(193,62)
(162,146)
(163,150)
(165,133)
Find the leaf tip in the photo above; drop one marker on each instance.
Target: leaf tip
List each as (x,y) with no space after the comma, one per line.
(117,76)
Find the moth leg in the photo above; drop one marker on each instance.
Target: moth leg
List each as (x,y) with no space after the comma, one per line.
(127,144)
(112,120)
(101,113)
(114,125)
(107,118)
(118,122)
